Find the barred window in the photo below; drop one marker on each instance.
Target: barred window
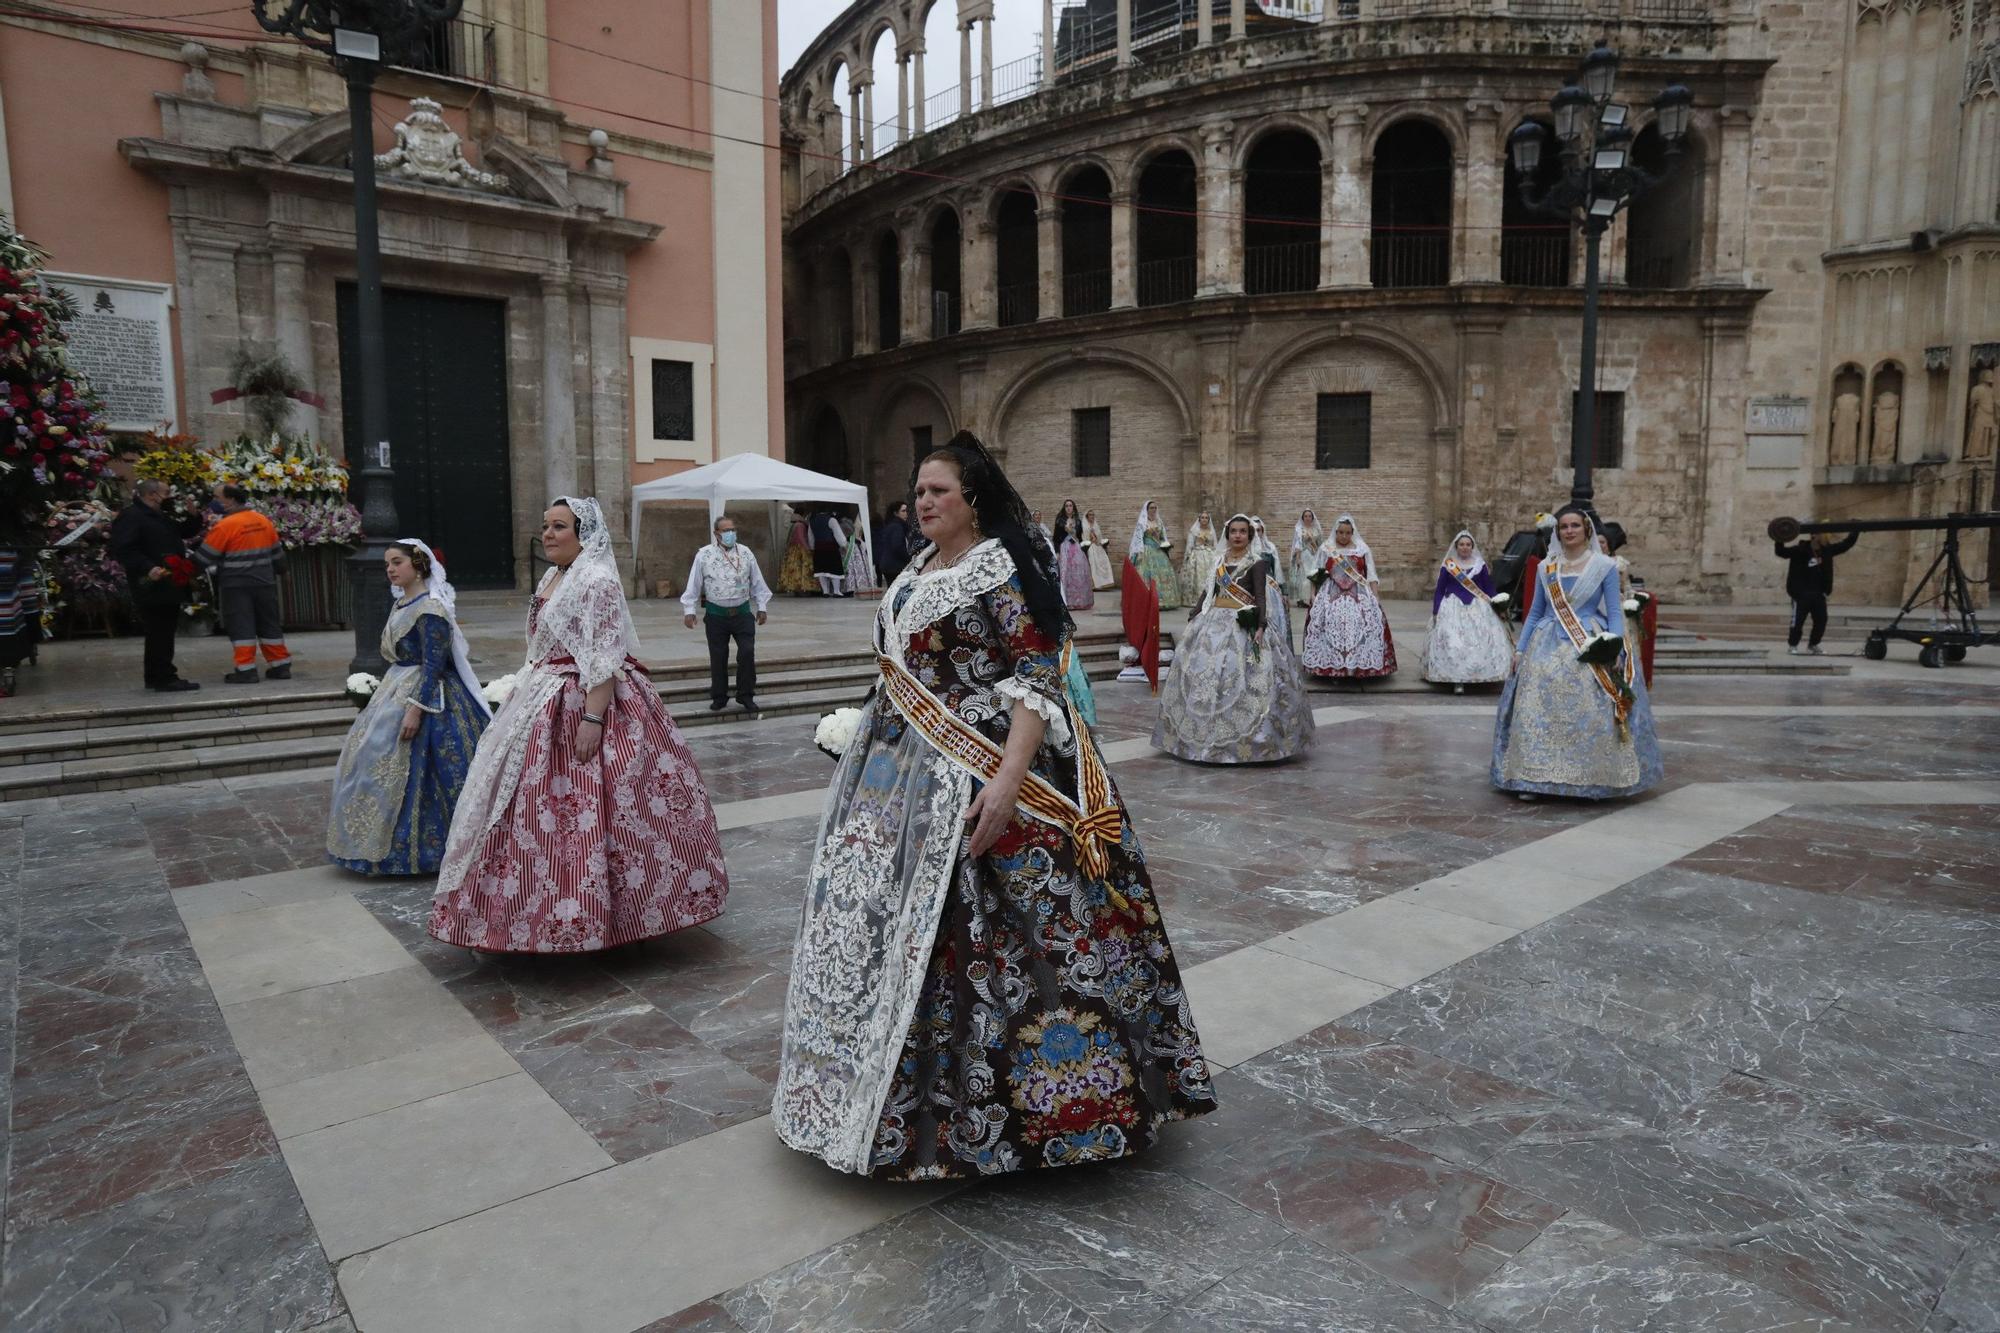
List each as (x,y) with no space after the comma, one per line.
(1090,441)
(673,400)
(1342,437)
(1608,449)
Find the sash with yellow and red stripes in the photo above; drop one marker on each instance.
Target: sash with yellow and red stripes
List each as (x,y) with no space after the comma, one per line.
(1451,567)
(1094,821)
(1619,692)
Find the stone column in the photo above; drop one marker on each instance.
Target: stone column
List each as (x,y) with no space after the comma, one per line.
(1236,20)
(978,273)
(1344,257)
(610,411)
(1227,481)
(293,322)
(558,389)
(917,293)
(1726,347)
(867,307)
(1124,33)
(1049,260)
(856,147)
(1484,193)
(902,98)
(211,331)
(986,63)
(917,87)
(1048,43)
(1220,231)
(867,127)
(964,68)
(1731,208)
(1204,22)
(1124,267)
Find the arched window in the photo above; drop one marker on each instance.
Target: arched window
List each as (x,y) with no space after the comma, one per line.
(1411,210)
(1534,246)
(884,133)
(889,290)
(1663,229)
(1019,270)
(1165,225)
(839,132)
(1281,193)
(1086,241)
(946,294)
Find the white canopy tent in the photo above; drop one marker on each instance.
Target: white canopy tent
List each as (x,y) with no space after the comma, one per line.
(751,477)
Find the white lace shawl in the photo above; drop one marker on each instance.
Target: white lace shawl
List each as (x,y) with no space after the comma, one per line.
(941,593)
(586,617)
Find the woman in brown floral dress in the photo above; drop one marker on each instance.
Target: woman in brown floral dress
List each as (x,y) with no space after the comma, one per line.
(982,981)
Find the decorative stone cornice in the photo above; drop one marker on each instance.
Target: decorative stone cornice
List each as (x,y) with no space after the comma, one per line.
(1937,359)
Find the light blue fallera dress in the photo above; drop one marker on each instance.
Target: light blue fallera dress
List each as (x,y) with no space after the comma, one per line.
(1557,732)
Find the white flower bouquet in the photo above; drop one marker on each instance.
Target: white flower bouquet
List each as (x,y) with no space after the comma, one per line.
(836,731)
(1601,649)
(1501,598)
(361,687)
(1631,606)
(495,692)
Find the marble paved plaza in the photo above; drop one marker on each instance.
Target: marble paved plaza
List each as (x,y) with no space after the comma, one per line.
(1723,1058)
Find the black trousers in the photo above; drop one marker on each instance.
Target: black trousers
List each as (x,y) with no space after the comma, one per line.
(159,618)
(1812,607)
(743,629)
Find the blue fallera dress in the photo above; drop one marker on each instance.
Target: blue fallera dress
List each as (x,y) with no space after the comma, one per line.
(393,800)
(1557,732)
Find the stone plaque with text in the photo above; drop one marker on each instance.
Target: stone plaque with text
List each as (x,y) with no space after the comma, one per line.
(122,340)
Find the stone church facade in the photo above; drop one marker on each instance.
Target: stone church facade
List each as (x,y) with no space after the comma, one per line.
(1273,256)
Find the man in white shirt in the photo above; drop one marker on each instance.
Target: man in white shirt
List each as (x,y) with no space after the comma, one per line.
(728,590)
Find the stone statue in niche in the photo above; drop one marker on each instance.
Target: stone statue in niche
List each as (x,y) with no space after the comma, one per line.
(429,150)
(1846,446)
(1981,433)
(1888,414)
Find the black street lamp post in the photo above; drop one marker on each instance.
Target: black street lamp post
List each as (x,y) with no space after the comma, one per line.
(360,35)
(1599,178)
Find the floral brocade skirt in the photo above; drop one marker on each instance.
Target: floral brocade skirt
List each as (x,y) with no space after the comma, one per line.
(957,1016)
(795,573)
(1557,735)
(1230,701)
(1467,645)
(548,855)
(1078,593)
(1346,634)
(1156,569)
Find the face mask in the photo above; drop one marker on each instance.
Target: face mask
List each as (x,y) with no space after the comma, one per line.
(729,538)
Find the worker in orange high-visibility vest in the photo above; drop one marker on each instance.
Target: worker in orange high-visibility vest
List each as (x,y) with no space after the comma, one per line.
(242,550)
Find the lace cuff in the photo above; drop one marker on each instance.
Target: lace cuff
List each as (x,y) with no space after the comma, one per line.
(1047,709)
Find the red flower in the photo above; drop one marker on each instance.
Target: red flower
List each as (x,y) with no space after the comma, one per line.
(180,569)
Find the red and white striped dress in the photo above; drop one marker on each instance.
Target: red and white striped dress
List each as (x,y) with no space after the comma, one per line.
(547,855)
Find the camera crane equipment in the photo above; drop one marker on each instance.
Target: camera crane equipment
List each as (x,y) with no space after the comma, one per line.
(1939,644)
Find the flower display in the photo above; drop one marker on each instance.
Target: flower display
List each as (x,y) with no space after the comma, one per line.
(302,490)
(836,731)
(53,447)
(1600,649)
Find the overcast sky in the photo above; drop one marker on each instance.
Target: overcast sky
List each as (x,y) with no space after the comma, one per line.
(1017,30)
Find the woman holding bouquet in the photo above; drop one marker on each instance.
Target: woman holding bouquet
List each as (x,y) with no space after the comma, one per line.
(1346,633)
(1307,538)
(1073,560)
(1148,551)
(406,756)
(1236,694)
(1198,559)
(1468,640)
(584,823)
(982,981)
(1574,719)
(1101,576)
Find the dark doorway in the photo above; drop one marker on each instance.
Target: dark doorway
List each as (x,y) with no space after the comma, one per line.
(1281,201)
(447,426)
(1015,252)
(1086,241)
(1534,247)
(1411,242)
(1166,229)
(946,299)
(889,290)
(826,445)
